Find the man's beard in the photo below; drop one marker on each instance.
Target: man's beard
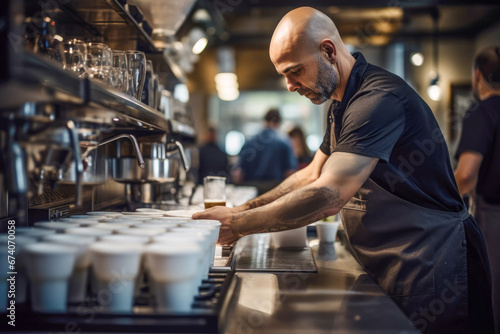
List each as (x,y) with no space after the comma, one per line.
(326,83)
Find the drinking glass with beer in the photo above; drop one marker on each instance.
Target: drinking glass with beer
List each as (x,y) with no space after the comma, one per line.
(214,191)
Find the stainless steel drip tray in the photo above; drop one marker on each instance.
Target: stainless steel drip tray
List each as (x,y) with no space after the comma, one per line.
(253,253)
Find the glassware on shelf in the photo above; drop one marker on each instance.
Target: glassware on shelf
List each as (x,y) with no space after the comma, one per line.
(153,101)
(75,54)
(148,84)
(119,72)
(137,71)
(99,62)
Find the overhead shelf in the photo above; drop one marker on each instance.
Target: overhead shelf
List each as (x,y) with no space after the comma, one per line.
(41,80)
(112,20)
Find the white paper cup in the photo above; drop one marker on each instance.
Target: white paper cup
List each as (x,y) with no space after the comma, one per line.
(118,221)
(146,232)
(134,219)
(4,269)
(173,269)
(22,280)
(178,220)
(157,224)
(206,255)
(85,222)
(88,231)
(296,238)
(104,213)
(58,227)
(327,231)
(213,226)
(150,211)
(116,267)
(33,232)
(78,280)
(113,227)
(49,268)
(123,239)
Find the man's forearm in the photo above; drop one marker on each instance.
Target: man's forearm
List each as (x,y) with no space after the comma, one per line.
(293,210)
(295,181)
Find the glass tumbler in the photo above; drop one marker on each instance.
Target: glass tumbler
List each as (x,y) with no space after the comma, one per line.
(75,53)
(119,71)
(148,83)
(137,71)
(99,62)
(214,191)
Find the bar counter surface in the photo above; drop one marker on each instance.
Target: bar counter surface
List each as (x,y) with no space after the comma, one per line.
(339,298)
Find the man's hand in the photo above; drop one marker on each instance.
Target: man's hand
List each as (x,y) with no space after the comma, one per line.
(225,216)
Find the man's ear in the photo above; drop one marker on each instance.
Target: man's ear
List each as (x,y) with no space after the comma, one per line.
(329,50)
(477,75)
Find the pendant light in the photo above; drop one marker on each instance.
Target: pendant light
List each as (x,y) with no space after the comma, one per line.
(434,90)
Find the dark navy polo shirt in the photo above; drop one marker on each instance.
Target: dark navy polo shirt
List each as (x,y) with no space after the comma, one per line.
(381,116)
(267,157)
(481,133)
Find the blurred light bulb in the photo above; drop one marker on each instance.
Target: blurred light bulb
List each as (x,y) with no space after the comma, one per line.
(434,92)
(417,59)
(199,46)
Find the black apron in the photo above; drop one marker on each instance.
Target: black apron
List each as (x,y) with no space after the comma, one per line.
(418,256)
(488,219)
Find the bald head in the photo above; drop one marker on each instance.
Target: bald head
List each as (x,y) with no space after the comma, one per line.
(302,29)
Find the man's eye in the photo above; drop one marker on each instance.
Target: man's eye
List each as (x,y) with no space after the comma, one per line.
(295,72)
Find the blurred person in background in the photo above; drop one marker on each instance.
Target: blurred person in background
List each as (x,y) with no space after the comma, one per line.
(267,158)
(213,161)
(478,153)
(300,148)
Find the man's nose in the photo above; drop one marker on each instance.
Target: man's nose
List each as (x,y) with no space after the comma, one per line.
(292,85)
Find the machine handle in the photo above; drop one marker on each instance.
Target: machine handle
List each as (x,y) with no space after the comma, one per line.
(135,144)
(75,146)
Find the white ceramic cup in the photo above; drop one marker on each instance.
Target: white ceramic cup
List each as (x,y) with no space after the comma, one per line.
(49,268)
(150,210)
(206,255)
(178,220)
(58,227)
(213,226)
(4,269)
(125,239)
(116,267)
(173,269)
(147,232)
(104,213)
(85,222)
(113,227)
(157,224)
(327,231)
(78,280)
(133,219)
(187,236)
(88,231)
(36,233)
(22,276)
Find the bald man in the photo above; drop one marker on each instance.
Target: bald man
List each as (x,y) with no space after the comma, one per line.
(384,166)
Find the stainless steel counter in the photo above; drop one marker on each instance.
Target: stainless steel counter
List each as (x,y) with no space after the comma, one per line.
(339,298)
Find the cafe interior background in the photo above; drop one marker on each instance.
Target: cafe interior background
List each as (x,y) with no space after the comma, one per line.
(420,41)
(212,63)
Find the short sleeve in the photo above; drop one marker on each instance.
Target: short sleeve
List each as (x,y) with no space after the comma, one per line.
(325,145)
(372,124)
(477,132)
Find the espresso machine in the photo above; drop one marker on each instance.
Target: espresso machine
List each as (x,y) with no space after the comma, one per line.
(71,144)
